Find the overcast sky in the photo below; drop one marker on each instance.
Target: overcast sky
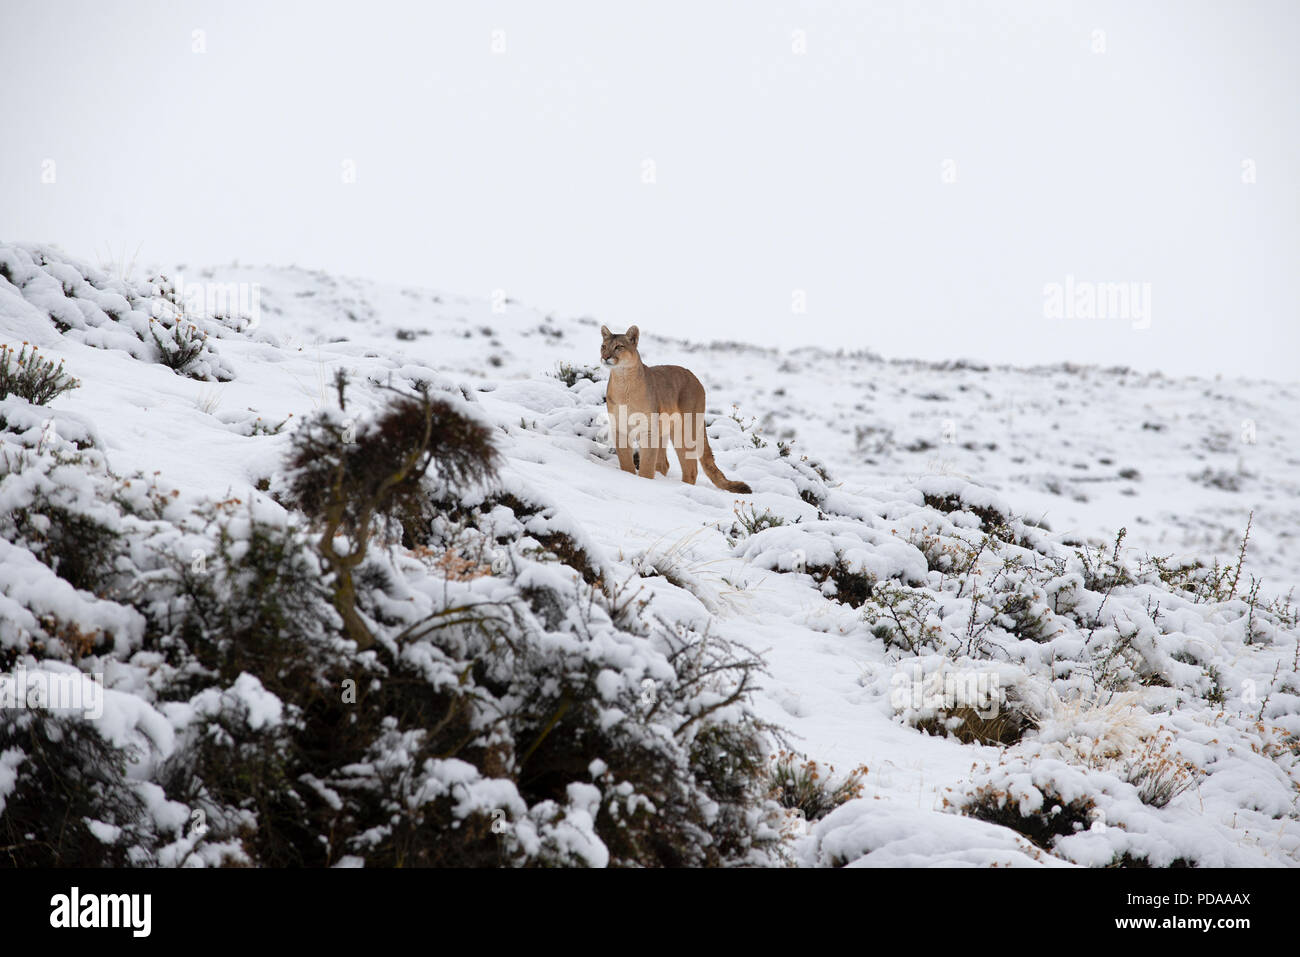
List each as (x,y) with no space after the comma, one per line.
(913,175)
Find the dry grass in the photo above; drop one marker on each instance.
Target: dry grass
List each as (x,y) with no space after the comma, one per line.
(1119,736)
(453,566)
(674,561)
(1007,726)
(209,400)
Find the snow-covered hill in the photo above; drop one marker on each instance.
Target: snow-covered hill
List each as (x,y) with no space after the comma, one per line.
(931,566)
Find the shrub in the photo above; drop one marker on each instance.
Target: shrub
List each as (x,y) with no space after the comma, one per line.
(472,731)
(1115,734)
(750,521)
(852,586)
(969,726)
(901,616)
(349,479)
(67,776)
(255,601)
(179,345)
(31,377)
(243,771)
(945,554)
(798,783)
(50,516)
(1041,814)
(1104,572)
(569,373)
(1158,773)
(990,518)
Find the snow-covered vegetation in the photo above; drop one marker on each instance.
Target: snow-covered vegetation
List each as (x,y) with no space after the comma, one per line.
(356,580)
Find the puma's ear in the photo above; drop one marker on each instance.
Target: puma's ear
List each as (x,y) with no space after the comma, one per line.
(633,333)
(604,332)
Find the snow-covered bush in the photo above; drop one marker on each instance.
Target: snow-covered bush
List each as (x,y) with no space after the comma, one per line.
(508,709)
(1044,800)
(351,483)
(1113,808)
(69,802)
(51,503)
(801,784)
(30,377)
(570,373)
(49,289)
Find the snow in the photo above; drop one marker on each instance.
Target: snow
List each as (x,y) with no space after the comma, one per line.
(10,758)
(1048,449)
(887,834)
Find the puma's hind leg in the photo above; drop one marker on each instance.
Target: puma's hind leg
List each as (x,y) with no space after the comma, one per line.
(686,457)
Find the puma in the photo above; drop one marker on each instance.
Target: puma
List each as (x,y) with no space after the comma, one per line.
(655,405)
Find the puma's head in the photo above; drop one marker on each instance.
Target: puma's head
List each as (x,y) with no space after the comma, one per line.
(621,349)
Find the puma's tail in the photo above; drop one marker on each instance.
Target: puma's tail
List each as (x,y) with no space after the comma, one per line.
(715,474)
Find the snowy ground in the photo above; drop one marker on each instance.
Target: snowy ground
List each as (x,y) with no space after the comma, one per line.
(1074,452)
(1179,461)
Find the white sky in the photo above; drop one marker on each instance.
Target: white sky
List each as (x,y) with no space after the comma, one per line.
(775,171)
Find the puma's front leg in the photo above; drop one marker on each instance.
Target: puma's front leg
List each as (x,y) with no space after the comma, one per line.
(622,445)
(625,461)
(651,439)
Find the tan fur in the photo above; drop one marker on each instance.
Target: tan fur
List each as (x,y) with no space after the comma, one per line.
(656,405)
